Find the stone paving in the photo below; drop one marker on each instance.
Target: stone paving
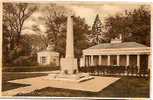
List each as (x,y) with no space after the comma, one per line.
(94,85)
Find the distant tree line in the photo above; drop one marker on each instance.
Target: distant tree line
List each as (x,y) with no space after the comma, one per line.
(134,25)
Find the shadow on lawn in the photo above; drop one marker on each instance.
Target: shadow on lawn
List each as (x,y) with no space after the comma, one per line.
(125,87)
(13,76)
(9,86)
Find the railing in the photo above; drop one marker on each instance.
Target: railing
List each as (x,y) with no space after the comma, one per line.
(116,70)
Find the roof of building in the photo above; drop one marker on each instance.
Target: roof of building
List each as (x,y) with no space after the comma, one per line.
(48,51)
(117,45)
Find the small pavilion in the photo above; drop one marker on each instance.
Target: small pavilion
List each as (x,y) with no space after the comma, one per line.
(48,56)
(117,53)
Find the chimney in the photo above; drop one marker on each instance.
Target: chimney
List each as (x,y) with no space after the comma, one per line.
(117,40)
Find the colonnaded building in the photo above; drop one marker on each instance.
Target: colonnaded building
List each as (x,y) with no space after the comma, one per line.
(117,53)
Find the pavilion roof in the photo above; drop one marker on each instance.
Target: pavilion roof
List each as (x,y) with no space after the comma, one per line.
(49,51)
(117,45)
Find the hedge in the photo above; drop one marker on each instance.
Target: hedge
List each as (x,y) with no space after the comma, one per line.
(29,68)
(113,70)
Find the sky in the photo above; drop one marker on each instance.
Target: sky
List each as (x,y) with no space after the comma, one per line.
(87,11)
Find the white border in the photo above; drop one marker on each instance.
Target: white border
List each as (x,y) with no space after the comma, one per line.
(75,1)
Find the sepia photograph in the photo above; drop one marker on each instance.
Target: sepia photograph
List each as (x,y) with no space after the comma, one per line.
(76,49)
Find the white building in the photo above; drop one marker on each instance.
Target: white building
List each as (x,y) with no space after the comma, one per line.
(48,56)
(117,53)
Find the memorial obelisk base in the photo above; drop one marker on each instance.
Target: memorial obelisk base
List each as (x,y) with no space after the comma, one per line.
(69,66)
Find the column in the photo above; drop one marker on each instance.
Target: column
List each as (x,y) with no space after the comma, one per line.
(138,62)
(118,60)
(89,60)
(127,60)
(99,59)
(92,62)
(38,59)
(84,61)
(149,61)
(108,60)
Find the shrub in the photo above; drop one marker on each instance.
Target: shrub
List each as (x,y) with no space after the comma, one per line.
(74,71)
(29,69)
(66,72)
(24,61)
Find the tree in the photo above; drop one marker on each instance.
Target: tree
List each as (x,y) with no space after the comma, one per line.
(14,17)
(39,39)
(55,21)
(133,25)
(96,34)
(37,42)
(81,30)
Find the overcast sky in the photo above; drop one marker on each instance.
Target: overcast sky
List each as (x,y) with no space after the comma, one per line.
(87,11)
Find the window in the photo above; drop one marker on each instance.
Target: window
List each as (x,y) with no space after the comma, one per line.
(43,60)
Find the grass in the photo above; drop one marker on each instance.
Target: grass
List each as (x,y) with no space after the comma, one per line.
(125,87)
(13,76)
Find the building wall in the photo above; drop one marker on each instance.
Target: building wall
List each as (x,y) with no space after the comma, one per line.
(133,60)
(95,58)
(82,62)
(122,60)
(104,60)
(54,59)
(44,57)
(113,60)
(49,58)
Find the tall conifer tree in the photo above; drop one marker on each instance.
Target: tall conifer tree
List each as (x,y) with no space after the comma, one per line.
(96,35)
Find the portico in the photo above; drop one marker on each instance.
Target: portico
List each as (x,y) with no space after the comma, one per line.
(118,54)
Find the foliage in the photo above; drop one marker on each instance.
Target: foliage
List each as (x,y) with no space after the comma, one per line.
(23,49)
(24,60)
(116,70)
(133,25)
(14,17)
(39,40)
(55,21)
(32,68)
(97,32)
(35,42)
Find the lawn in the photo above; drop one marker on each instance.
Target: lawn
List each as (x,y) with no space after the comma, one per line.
(12,76)
(125,87)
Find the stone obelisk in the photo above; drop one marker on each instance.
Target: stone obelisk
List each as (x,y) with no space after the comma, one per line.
(69,63)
